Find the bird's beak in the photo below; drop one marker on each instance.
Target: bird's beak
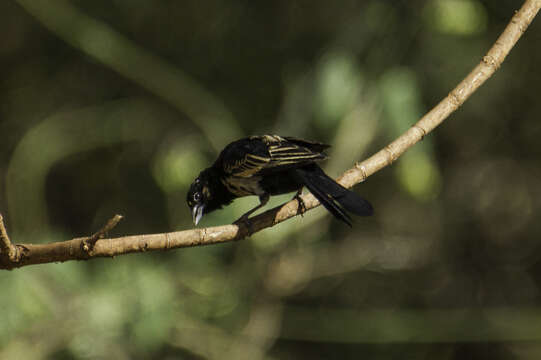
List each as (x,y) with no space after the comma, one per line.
(197,213)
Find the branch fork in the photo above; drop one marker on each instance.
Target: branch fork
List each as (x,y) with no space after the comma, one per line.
(89,243)
(7,249)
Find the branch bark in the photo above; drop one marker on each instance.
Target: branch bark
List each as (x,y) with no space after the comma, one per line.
(86,248)
(8,251)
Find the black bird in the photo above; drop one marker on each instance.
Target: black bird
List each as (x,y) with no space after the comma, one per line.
(271,165)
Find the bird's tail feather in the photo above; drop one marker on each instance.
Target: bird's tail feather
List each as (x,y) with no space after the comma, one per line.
(336,198)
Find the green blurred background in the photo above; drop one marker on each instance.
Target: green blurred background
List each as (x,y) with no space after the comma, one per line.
(115,106)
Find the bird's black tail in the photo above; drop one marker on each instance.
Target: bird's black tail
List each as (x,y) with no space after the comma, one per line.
(336,198)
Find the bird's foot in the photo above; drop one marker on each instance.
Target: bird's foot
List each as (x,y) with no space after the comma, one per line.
(302,206)
(244,221)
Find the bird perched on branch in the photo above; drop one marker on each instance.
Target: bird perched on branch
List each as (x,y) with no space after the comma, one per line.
(271,165)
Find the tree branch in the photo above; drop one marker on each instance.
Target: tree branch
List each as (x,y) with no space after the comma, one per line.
(7,249)
(86,248)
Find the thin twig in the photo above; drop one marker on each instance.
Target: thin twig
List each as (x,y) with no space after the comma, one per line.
(88,244)
(75,250)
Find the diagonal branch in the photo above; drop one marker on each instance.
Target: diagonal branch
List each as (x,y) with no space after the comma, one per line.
(79,249)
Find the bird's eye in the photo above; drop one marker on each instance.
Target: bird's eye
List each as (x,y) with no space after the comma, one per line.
(197,197)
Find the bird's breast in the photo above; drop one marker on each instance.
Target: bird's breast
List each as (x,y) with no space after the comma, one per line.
(243,186)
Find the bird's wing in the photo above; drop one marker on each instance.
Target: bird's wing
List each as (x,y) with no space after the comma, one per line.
(292,152)
(244,157)
(268,153)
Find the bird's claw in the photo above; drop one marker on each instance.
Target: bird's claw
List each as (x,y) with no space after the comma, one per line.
(246,222)
(301,209)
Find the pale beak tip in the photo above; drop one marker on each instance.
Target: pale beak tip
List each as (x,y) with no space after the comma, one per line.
(197,213)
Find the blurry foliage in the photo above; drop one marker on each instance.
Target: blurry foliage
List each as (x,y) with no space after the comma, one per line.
(457,17)
(115,106)
(417,170)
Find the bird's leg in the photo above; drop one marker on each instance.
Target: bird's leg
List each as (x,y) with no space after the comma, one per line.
(302,206)
(263,200)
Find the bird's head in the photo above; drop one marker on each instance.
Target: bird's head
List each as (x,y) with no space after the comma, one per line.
(198,197)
